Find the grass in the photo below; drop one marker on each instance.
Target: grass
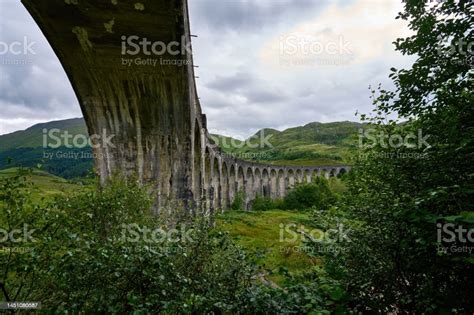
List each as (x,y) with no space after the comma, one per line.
(45,184)
(258,232)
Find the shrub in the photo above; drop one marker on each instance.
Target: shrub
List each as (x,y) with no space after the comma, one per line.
(86,258)
(239,201)
(262,203)
(316,194)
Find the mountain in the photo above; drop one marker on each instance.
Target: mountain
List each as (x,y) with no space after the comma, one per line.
(33,136)
(26,148)
(313,144)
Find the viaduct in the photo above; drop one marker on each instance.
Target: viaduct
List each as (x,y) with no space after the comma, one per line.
(148,100)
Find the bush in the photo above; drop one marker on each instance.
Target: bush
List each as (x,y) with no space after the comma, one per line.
(316,194)
(95,252)
(262,203)
(266,203)
(239,201)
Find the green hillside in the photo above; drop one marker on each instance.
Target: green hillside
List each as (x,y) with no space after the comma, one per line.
(33,136)
(24,148)
(314,144)
(47,185)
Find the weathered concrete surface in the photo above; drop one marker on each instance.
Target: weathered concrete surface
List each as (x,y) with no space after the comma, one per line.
(152,110)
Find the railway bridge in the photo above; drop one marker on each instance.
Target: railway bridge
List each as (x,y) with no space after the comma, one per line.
(131,67)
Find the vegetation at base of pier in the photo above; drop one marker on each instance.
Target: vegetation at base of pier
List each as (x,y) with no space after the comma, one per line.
(239,201)
(321,193)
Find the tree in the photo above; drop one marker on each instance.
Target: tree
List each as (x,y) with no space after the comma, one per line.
(402,195)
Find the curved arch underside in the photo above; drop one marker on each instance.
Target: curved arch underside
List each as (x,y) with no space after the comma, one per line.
(148,103)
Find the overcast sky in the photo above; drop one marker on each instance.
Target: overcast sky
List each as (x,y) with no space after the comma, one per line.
(265,63)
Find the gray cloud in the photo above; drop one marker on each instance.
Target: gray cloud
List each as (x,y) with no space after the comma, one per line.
(264,96)
(229,83)
(246,86)
(33,85)
(251,16)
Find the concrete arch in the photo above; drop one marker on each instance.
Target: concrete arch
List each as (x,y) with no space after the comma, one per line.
(281,183)
(215,185)
(341,172)
(324,173)
(240,179)
(307,175)
(224,187)
(232,183)
(299,176)
(207,180)
(265,183)
(249,193)
(332,172)
(273,183)
(257,183)
(197,166)
(290,180)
